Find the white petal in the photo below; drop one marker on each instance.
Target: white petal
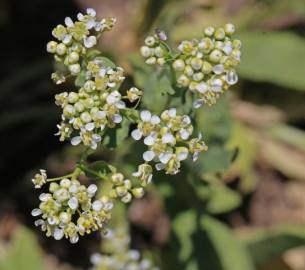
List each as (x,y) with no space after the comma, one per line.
(231,77)
(90,24)
(39,222)
(89,42)
(67,39)
(148,155)
(96,258)
(97,205)
(182,156)
(202,87)
(100,114)
(218,69)
(136,134)
(102,72)
(96,137)
(73,203)
(184,134)
(155,120)
(145,116)
(149,140)
(80,16)
(196,156)
(73,188)
(186,119)
(36,212)
(92,189)
(136,174)
(227,49)
(89,126)
(91,12)
(165,157)
(58,234)
(172,112)
(74,239)
(197,103)
(44,197)
(117,118)
(120,104)
(76,140)
(134,254)
(168,138)
(113,97)
(69,22)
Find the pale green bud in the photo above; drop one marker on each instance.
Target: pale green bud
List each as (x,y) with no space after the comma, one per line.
(117,178)
(73,57)
(206,67)
(72,97)
(209,31)
(236,44)
(198,76)
(229,29)
(53,187)
(69,110)
(138,192)
(127,198)
(193,86)
(65,217)
(61,49)
(51,47)
(220,34)
(183,80)
(145,51)
(75,69)
(159,52)
(215,56)
(79,106)
(121,190)
(178,65)
(188,71)
(161,61)
(150,41)
(151,61)
(196,63)
(127,184)
(85,117)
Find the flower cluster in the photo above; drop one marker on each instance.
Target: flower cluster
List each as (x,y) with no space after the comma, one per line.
(74,39)
(168,141)
(123,188)
(153,51)
(68,210)
(94,107)
(206,66)
(120,257)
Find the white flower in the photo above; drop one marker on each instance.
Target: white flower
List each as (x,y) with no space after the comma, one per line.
(165,157)
(150,140)
(202,87)
(184,134)
(145,116)
(168,138)
(117,118)
(97,205)
(69,22)
(90,41)
(36,212)
(172,112)
(58,234)
(114,97)
(91,12)
(92,189)
(155,120)
(76,140)
(73,203)
(136,134)
(198,103)
(148,156)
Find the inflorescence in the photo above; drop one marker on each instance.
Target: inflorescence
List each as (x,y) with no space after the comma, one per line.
(206,66)
(120,256)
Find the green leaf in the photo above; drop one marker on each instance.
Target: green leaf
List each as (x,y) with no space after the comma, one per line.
(100,167)
(216,160)
(222,199)
(131,114)
(107,62)
(115,136)
(264,246)
(80,79)
(225,252)
(24,252)
(184,225)
(275,57)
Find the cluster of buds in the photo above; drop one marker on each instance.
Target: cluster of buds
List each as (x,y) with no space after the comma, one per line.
(206,66)
(168,140)
(154,51)
(123,188)
(70,211)
(120,256)
(74,39)
(94,107)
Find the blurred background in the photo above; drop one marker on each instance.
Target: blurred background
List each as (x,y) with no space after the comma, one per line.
(241,207)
